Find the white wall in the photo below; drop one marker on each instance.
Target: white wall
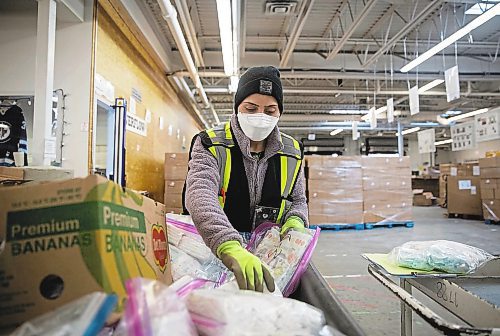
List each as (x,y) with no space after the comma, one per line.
(71,72)
(476,153)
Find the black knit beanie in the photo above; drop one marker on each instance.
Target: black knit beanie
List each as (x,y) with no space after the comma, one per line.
(264,80)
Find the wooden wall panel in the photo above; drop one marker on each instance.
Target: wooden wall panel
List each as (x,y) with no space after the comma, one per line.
(119,62)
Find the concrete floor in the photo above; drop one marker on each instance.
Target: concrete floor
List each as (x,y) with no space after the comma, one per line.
(338,258)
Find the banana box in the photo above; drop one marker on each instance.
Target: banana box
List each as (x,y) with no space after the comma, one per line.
(62,240)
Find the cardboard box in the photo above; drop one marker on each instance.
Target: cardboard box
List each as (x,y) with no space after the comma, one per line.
(400,215)
(176,159)
(336,219)
(317,173)
(491,209)
(68,238)
(348,194)
(376,173)
(490,183)
(335,208)
(324,161)
(385,162)
(175,172)
(174,210)
(337,183)
(174,186)
(388,196)
(35,173)
(490,154)
(173,201)
(422,200)
(445,168)
(490,172)
(489,193)
(387,182)
(492,162)
(464,195)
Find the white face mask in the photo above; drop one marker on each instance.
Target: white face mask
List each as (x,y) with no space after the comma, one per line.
(257,126)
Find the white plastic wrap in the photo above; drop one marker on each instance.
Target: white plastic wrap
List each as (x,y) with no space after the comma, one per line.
(251,313)
(441,255)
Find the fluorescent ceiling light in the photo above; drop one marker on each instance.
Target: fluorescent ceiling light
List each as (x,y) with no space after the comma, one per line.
(335,132)
(453,112)
(410,130)
(480,8)
(233,85)
(226,39)
(430,85)
(356,112)
(467,115)
(377,112)
(443,142)
(495,10)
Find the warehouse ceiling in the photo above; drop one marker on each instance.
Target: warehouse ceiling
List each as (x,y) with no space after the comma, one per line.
(344,55)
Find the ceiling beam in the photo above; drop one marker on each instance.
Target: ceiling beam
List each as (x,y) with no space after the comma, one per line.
(352,28)
(189,31)
(296,31)
(243,27)
(422,16)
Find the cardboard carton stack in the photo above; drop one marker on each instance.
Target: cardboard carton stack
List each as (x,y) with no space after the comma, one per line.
(68,238)
(38,174)
(453,169)
(464,195)
(176,167)
(387,190)
(490,188)
(335,190)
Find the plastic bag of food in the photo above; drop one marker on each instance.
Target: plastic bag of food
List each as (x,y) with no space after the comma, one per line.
(187,239)
(182,263)
(441,255)
(251,313)
(154,309)
(286,257)
(85,316)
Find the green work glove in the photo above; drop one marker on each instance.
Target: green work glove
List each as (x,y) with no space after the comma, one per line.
(292,223)
(248,269)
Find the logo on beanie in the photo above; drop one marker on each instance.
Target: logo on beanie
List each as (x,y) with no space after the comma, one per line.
(266,87)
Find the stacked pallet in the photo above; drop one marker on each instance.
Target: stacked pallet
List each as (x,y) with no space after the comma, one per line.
(176,166)
(335,190)
(387,190)
(455,170)
(490,188)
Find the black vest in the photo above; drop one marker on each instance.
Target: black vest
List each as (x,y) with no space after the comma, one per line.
(237,205)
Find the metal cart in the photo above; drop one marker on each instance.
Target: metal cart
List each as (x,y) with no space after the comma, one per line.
(314,290)
(475,299)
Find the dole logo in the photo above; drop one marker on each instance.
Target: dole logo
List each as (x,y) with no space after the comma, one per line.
(160,246)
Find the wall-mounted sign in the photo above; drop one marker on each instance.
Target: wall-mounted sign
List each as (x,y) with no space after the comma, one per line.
(463,136)
(390,110)
(137,125)
(487,126)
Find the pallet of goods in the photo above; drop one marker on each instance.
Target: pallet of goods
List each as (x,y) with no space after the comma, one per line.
(490,189)
(335,192)
(387,194)
(176,167)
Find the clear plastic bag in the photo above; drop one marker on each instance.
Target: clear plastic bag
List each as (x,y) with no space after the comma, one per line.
(85,316)
(286,257)
(441,255)
(220,312)
(154,309)
(182,263)
(189,242)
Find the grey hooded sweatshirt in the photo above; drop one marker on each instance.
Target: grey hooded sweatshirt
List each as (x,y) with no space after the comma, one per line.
(203,181)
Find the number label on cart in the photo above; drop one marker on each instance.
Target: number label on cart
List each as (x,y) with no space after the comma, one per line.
(446,293)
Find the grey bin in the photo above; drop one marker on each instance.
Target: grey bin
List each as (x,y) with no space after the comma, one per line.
(314,290)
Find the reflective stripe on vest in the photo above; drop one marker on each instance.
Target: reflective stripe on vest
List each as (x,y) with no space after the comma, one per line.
(290,161)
